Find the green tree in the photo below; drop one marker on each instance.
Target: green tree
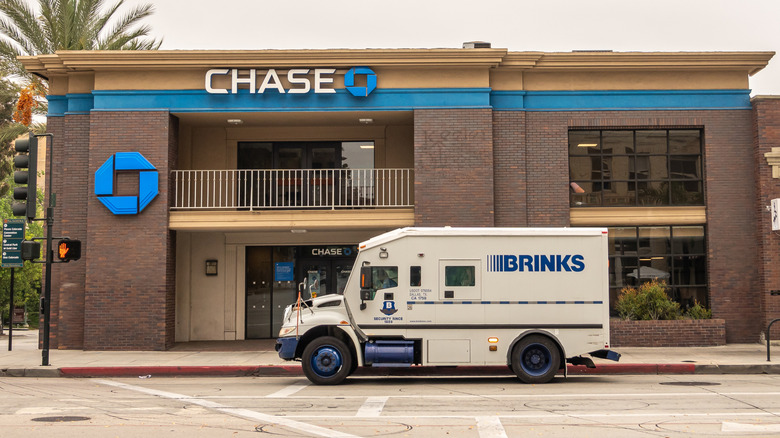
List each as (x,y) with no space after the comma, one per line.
(27,280)
(52,25)
(69,25)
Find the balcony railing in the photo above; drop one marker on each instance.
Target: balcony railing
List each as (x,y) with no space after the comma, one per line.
(260,189)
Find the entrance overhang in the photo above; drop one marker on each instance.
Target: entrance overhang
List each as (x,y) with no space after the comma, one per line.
(291,221)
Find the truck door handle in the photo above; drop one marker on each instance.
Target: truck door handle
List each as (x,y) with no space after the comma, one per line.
(449,294)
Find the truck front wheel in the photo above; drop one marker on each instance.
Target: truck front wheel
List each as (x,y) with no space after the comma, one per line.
(535,359)
(326,361)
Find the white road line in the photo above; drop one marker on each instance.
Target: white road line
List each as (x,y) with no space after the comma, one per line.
(740,427)
(238,412)
(511,396)
(578,414)
(288,391)
(490,427)
(372,407)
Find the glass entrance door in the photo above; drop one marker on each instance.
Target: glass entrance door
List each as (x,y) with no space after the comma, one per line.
(324,276)
(258,292)
(270,287)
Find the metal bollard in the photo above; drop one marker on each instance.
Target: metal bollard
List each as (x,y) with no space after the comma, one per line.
(769,327)
(769,338)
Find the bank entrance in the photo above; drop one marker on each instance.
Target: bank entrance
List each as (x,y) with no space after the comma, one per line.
(274,274)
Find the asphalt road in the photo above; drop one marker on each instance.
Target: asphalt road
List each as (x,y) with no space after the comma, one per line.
(581,406)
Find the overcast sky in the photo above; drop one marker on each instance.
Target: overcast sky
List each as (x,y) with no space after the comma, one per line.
(517,25)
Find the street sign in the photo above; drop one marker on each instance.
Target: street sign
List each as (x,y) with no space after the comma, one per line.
(13,234)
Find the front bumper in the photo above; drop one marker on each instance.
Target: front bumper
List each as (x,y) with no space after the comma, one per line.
(286,347)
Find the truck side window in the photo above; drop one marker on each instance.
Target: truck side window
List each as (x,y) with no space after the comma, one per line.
(415,276)
(459,276)
(385,277)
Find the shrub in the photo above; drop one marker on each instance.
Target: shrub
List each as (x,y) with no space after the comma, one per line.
(697,311)
(649,302)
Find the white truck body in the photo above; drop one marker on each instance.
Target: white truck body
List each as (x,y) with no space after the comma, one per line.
(525,297)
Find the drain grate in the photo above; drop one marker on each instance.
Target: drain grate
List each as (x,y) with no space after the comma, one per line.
(60,419)
(690,383)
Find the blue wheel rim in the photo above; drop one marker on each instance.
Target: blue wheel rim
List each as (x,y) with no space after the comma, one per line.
(536,360)
(326,361)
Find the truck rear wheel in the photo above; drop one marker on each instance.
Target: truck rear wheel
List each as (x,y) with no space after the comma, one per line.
(326,361)
(535,359)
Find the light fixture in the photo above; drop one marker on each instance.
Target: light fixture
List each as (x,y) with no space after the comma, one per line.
(587,145)
(298,231)
(366,146)
(211,267)
(366,121)
(235,121)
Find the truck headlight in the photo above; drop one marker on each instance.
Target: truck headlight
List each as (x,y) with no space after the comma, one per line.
(286,331)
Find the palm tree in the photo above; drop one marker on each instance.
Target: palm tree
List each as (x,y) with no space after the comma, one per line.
(59,25)
(69,25)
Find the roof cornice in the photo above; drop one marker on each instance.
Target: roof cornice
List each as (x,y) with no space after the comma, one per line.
(64,62)
(751,62)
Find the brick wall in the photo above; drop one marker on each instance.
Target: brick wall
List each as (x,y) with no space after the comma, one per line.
(678,333)
(453,167)
(766,125)
(71,185)
(129,292)
(509,173)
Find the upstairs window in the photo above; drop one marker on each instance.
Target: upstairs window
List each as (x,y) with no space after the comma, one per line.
(659,167)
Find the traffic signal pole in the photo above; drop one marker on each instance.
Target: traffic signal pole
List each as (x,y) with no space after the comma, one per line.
(49,218)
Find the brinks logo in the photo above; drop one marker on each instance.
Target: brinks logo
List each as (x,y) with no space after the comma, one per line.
(536,263)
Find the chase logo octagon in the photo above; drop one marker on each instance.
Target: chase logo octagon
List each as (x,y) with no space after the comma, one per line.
(105,182)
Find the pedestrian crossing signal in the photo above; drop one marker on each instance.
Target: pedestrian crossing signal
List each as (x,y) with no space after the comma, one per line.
(68,249)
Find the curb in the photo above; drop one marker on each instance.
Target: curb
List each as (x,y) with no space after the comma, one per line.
(417,371)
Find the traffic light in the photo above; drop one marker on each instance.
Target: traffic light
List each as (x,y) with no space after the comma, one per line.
(27,164)
(31,250)
(68,249)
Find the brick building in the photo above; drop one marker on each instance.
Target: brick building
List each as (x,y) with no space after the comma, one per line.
(206,185)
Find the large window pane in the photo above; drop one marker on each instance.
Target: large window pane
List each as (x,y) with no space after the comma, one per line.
(685,167)
(651,142)
(653,192)
(584,168)
(357,155)
(620,269)
(654,241)
(689,270)
(617,142)
(685,141)
(687,193)
(688,240)
(584,142)
(618,168)
(622,241)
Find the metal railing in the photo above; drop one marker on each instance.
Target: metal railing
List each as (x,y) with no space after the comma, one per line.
(259,189)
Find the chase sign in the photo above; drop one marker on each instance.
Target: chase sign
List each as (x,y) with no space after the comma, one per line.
(105,183)
(298,81)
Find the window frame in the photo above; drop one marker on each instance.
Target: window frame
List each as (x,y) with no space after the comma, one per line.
(665,190)
(674,252)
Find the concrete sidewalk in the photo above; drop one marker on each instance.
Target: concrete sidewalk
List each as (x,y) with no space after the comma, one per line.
(258,357)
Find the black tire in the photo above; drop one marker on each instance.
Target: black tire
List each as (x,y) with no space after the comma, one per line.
(326,361)
(536,359)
